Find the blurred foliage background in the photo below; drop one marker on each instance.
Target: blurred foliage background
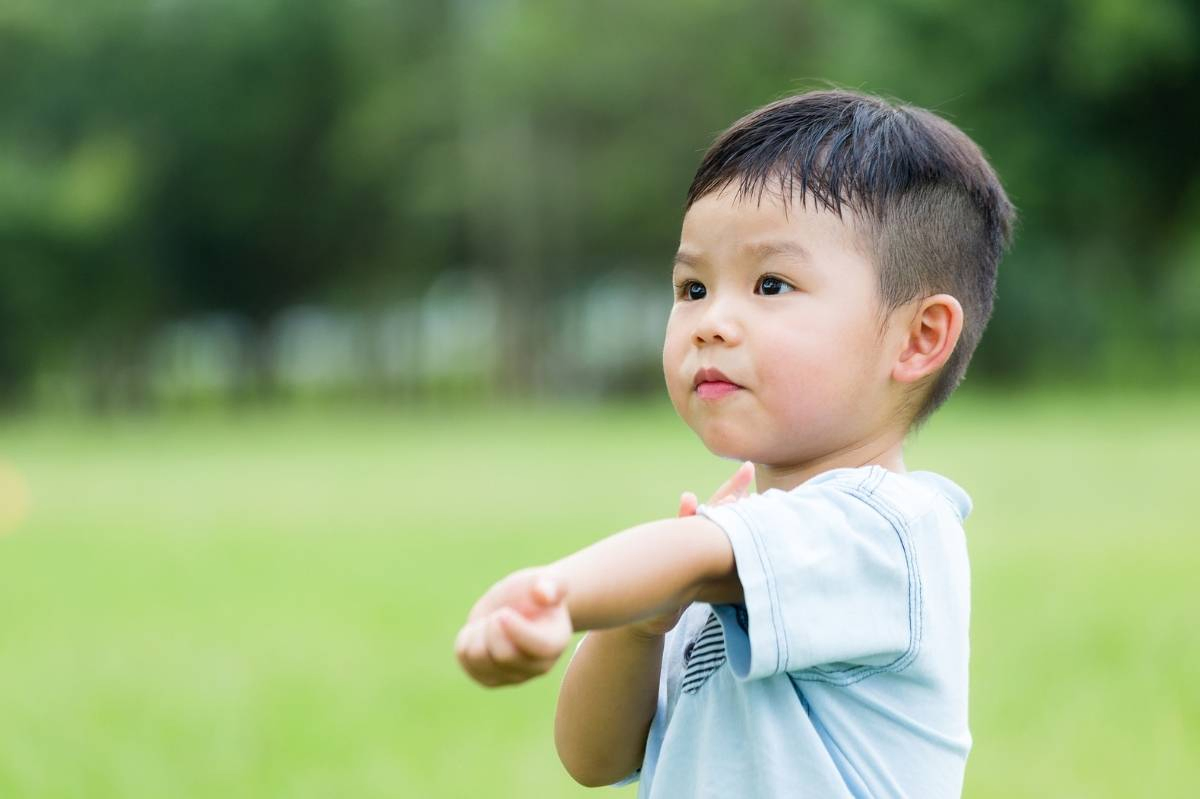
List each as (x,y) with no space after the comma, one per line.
(242,198)
(316,317)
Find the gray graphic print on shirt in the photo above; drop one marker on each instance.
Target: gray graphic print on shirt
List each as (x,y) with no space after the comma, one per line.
(703,655)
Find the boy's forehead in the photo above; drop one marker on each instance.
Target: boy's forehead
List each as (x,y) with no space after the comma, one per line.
(756,227)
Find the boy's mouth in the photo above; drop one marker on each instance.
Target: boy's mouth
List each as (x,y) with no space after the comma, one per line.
(715,389)
(713,384)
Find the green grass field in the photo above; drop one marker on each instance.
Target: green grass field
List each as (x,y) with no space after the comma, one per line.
(264,605)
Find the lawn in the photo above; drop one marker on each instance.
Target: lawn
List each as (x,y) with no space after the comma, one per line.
(263,604)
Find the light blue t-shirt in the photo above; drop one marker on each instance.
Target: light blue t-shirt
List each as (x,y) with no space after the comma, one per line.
(844,674)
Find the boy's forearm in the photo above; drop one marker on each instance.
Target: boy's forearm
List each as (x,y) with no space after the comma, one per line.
(647,570)
(606,704)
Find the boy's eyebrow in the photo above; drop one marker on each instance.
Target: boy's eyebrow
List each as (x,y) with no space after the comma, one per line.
(685,258)
(757,250)
(761,250)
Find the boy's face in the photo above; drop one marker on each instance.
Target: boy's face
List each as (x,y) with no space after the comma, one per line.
(785,305)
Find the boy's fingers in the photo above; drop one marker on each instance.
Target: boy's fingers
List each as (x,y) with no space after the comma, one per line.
(472,653)
(509,663)
(475,647)
(745,476)
(464,644)
(500,650)
(478,662)
(735,485)
(512,663)
(721,491)
(725,488)
(739,484)
(687,504)
(536,643)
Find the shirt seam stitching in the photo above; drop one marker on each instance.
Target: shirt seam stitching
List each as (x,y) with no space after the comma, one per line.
(915,597)
(781,644)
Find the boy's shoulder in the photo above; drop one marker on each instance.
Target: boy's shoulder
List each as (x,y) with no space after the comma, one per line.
(848,544)
(897,496)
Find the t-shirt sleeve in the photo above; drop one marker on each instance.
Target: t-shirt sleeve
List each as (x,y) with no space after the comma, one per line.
(830,582)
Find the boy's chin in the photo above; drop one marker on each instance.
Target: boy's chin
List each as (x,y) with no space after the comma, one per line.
(724,439)
(728,447)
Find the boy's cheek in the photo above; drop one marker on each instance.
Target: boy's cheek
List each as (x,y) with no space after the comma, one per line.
(678,386)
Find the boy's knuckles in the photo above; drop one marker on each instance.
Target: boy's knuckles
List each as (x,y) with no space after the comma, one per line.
(477,650)
(498,646)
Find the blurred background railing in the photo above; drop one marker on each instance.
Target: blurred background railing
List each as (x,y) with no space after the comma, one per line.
(241,199)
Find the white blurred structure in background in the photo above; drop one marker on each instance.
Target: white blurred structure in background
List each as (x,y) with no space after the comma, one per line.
(606,337)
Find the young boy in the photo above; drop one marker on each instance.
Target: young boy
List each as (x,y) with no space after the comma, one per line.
(836,269)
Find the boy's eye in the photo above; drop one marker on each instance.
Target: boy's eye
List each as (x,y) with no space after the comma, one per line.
(773,285)
(693,290)
(690,290)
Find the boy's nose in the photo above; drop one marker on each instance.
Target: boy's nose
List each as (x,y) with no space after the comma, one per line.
(717,326)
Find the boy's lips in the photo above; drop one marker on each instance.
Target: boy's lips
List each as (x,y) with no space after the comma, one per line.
(710,375)
(713,384)
(716,389)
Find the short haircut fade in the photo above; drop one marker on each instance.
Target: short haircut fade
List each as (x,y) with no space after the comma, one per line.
(936,216)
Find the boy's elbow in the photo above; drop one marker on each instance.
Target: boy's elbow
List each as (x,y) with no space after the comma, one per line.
(591,770)
(589,780)
(593,777)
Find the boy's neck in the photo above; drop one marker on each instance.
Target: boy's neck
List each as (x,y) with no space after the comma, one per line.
(886,451)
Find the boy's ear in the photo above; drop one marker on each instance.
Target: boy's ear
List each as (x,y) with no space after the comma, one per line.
(929,339)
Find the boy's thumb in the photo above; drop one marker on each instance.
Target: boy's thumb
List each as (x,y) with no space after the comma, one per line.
(547,591)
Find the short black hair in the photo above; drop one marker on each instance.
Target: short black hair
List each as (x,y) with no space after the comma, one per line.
(936,216)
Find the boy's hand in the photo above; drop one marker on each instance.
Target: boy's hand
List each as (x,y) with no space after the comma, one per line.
(520,626)
(735,488)
(516,631)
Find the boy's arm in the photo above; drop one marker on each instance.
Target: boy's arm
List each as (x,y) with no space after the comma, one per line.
(606,704)
(647,570)
(636,574)
(610,691)
(609,694)
(520,627)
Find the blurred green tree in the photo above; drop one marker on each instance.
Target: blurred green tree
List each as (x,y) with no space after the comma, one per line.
(165,159)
